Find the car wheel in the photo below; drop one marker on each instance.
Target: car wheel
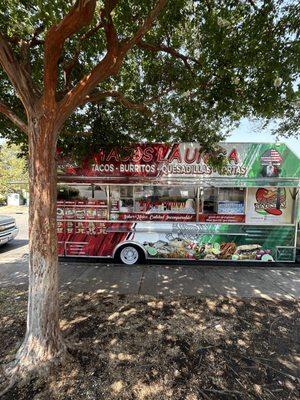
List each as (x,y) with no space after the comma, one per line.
(130,254)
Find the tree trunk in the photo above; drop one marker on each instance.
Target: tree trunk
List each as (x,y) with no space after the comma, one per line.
(43,340)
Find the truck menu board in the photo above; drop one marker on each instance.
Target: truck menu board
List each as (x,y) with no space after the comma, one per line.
(81,216)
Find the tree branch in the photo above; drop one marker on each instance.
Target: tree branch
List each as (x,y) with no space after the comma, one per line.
(166,49)
(24,47)
(34,40)
(79,16)
(111,35)
(17,74)
(109,27)
(252,2)
(68,66)
(160,95)
(141,107)
(4,109)
(15,39)
(145,27)
(113,59)
(98,96)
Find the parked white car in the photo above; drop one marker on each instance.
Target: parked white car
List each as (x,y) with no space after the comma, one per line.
(8,229)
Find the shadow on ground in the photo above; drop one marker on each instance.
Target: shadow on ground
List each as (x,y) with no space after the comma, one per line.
(16,244)
(168,280)
(153,348)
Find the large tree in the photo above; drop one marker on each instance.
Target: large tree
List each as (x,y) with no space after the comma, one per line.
(189,68)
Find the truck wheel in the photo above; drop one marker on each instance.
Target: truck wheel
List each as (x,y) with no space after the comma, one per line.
(129,254)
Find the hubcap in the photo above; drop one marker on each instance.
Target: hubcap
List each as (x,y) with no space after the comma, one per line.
(129,255)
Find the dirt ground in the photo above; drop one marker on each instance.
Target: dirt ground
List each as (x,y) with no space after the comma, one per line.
(145,348)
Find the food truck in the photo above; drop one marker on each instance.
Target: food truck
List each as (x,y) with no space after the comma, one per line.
(166,201)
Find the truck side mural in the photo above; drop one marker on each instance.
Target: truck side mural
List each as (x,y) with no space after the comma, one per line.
(164,201)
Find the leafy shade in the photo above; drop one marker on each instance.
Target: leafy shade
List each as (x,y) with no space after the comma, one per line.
(203,66)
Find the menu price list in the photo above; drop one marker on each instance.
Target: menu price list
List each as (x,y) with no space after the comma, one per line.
(82,210)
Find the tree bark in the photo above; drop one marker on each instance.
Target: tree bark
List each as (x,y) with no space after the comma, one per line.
(45,117)
(43,340)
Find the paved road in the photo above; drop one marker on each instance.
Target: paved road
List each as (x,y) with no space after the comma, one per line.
(154,279)
(19,247)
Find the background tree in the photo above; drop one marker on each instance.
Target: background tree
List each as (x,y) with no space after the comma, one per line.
(160,70)
(13,170)
(289,124)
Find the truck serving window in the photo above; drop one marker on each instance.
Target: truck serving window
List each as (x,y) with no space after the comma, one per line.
(224,201)
(223,205)
(154,203)
(81,202)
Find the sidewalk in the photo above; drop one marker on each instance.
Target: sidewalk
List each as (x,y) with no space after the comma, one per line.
(186,280)
(154,279)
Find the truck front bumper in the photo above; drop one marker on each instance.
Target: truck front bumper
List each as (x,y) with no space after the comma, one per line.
(6,237)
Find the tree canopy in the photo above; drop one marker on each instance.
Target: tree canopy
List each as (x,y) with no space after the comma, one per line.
(201,67)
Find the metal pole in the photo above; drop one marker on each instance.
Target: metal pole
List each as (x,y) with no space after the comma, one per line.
(108,202)
(197,204)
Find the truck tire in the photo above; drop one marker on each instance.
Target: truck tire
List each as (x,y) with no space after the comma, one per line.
(129,254)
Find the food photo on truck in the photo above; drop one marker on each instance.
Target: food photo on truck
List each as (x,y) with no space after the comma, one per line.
(167,202)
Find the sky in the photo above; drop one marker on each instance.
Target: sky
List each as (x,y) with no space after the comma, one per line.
(252,131)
